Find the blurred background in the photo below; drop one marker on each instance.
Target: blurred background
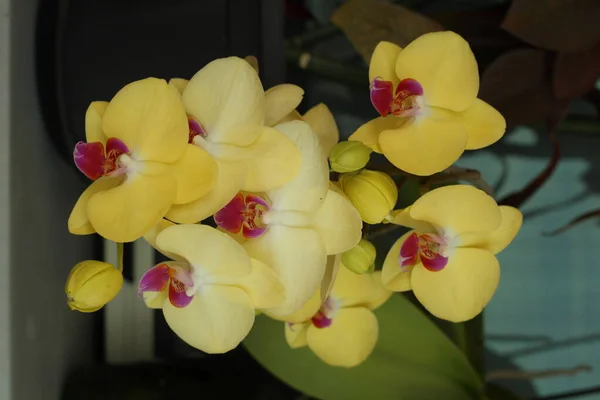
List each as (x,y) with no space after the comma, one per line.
(539,63)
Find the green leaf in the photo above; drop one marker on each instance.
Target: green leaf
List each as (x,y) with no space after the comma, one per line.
(413,359)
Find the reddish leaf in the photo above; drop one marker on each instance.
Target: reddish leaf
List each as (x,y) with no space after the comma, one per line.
(518,85)
(367,22)
(562,25)
(576,73)
(572,223)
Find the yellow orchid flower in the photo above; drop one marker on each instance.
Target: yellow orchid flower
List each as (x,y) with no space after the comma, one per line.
(426,95)
(295,227)
(448,259)
(225,105)
(282,101)
(135,146)
(343,331)
(209,293)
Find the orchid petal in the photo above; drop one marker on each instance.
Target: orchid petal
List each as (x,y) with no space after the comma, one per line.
(126,212)
(148,116)
(263,286)
(348,341)
(228,100)
(79,222)
(323,124)
(443,63)
(393,277)
(155,279)
(281,100)
(295,334)
(460,290)
(216,320)
(352,290)
(425,144)
(496,241)
(179,84)
(459,209)
(93,122)
(153,233)
(195,173)
(306,192)
(338,223)
(368,133)
(208,250)
(380,294)
(484,125)
(230,178)
(383,62)
(298,257)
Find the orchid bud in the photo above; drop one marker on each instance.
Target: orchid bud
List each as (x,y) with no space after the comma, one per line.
(361,258)
(91,285)
(349,156)
(373,194)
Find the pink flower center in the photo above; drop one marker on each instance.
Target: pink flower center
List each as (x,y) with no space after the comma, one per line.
(94,161)
(426,248)
(195,129)
(324,317)
(176,277)
(244,212)
(404,102)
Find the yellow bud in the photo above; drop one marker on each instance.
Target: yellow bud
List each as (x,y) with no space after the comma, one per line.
(361,258)
(373,193)
(349,156)
(91,284)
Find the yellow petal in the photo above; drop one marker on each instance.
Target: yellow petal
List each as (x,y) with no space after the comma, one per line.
(308,310)
(295,335)
(426,144)
(462,289)
(271,161)
(298,257)
(402,217)
(179,84)
(208,250)
(93,122)
(156,300)
(230,178)
(281,100)
(383,62)
(348,341)
(79,222)
(497,240)
(228,100)
(484,124)
(323,124)
(458,209)
(338,223)
(148,116)
(195,173)
(393,277)
(444,65)
(353,290)
(293,116)
(306,192)
(262,286)
(380,294)
(216,321)
(369,132)
(128,211)
(153,233)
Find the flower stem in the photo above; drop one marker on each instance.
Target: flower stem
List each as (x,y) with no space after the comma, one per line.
(120,251)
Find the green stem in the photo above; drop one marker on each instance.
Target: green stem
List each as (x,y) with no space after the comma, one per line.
(120,251)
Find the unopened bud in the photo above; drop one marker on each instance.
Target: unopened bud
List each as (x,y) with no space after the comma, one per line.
(373,194)
(91,285)
(349,156)
(361,258)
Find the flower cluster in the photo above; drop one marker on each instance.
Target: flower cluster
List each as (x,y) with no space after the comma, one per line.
(233,185)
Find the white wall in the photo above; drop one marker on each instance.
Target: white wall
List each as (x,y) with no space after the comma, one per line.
(40,339)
